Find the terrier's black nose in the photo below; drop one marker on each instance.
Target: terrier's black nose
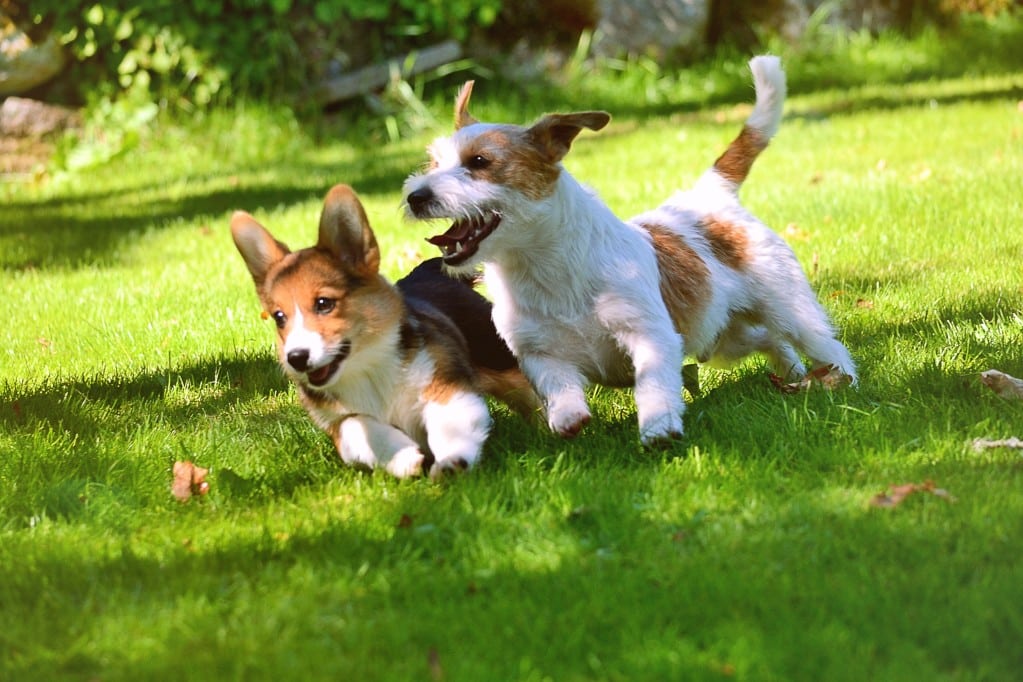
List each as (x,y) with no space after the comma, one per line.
(299,359)
(418,199)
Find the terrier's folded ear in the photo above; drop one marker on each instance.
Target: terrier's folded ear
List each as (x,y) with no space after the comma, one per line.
(554,133)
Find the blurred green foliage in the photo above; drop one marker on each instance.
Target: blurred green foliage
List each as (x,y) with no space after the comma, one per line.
(190,53)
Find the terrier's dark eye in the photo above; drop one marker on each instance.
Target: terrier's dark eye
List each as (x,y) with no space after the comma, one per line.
(477,162)
(280,318)
(324,305)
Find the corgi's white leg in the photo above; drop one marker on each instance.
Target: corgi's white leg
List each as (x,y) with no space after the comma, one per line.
(657,360)
(563,390)
(365,441)
(456,430)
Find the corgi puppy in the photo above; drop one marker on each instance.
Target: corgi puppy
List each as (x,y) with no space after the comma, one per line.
(582,296)
(396,375)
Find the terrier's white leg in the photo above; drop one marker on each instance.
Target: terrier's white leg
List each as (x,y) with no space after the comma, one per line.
(742,338)
(563,390)
(806,323)
(657,359)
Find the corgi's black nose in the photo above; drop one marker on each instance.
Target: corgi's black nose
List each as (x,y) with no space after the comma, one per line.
(419,199)
(299,359)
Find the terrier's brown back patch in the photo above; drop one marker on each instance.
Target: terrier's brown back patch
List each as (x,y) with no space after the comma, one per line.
(685,279)
(728,241)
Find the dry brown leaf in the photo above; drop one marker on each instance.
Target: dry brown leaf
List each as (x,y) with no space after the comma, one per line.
(980,444)
(896,494)
(1003,384)
(864,303)
(827,377)
(189,480)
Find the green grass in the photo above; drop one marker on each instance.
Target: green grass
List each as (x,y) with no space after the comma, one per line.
(132,339)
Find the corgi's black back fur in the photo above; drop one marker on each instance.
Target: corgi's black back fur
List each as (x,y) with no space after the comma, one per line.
(455,297)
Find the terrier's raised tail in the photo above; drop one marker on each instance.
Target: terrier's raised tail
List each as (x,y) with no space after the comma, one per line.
(734,165)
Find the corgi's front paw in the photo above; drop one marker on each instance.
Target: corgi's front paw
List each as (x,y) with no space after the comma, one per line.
(406,463)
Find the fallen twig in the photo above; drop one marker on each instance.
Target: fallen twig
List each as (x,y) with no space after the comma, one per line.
(980,444)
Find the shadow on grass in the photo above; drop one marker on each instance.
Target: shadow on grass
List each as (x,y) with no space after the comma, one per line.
(767,588)
(88,228)
(71,404)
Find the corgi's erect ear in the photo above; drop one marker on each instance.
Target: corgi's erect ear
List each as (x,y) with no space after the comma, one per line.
(345,232)
(257,246)
(462,116)
(554,133)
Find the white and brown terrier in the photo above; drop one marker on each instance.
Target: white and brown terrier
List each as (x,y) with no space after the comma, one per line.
(387,371)
(581,296)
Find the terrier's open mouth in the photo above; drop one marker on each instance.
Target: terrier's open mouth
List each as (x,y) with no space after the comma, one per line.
(463,238)
(321,375)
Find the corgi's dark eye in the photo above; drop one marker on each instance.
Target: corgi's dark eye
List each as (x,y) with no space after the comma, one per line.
(324,305)
(280,318)
(477,162)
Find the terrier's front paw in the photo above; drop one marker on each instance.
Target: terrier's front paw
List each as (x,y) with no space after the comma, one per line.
(406,463)
(662,442)
(569,425)
(661,432)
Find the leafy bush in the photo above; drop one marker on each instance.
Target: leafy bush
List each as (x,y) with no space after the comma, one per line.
(189,53)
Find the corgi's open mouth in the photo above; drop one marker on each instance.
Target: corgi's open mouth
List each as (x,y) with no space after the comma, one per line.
(463,238)
(321,375)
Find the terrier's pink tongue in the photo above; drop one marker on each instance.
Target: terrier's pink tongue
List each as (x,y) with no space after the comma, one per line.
(458,232)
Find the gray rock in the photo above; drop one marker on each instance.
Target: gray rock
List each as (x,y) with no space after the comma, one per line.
(650,26)
(20,117)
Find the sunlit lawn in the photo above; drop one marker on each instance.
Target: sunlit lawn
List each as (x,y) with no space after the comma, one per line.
(132,339)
